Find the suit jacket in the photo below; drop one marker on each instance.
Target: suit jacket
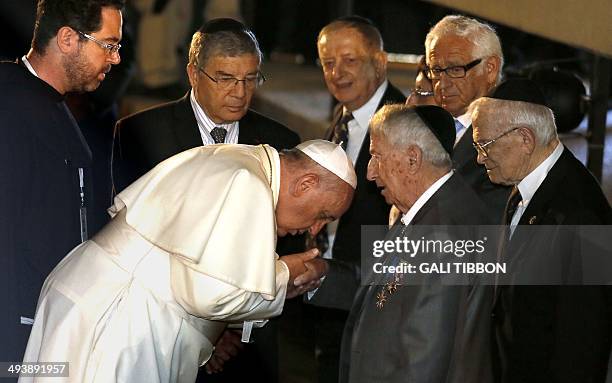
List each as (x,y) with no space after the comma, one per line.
(368,208)
(41,151)
(429,332)
(146,138)
(464,160)
(554,333)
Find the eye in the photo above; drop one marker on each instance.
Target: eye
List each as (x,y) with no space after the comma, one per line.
(328,64)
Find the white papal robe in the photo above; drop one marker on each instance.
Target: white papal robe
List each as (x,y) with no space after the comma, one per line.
(190,247)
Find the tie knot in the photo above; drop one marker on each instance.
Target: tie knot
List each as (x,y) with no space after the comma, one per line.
(346,117)
(513,202)
(218,134)
(458,126)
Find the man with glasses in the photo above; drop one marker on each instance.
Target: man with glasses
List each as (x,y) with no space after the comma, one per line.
(355,71)
(224,72)
(464,62)
(45,163)
(554,333)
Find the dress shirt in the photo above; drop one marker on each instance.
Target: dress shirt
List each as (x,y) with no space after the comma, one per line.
(466,121)
(358,127)
(206,125)
(422,200)
(530,184)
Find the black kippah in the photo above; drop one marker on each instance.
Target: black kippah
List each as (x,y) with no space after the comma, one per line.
(441,124)
(520,89)
(222,24)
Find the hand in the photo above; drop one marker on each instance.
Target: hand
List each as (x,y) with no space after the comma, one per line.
(227,347)
(297,265)
(316,269)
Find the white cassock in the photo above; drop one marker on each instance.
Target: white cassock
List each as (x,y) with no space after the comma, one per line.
(190,247)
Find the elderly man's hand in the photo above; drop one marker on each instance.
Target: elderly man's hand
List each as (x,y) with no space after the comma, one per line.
(227,347)
(300,266)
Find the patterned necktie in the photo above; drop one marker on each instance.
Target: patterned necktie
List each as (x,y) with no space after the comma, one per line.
(341,132)
(513,202)
(218,134)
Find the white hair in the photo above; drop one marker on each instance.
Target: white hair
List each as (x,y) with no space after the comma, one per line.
(481,35)
(537,118)
(401,127)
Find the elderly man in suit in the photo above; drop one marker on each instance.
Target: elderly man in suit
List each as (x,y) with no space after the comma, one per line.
(355,71)
(464,62)
(431,331)
(554,333)
(224,72)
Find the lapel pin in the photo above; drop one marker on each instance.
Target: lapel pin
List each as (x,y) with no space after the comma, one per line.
(532,220)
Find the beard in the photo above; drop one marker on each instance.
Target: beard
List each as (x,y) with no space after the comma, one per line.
(80,73)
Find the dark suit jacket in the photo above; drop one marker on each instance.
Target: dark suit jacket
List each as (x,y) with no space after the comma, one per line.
(554,333)
(368,208)
(464,160)
(40,152)
(146,138)
(429,332)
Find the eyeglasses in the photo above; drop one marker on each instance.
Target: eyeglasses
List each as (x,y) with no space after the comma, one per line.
(458,71)
(110,48)
(227,82)
(482,148)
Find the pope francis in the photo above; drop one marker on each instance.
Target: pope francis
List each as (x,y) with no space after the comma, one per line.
(190,248)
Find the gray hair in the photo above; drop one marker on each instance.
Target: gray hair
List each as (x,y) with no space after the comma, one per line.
(537,118)
(225,43)
(368,31)
(401,127)
(481,35)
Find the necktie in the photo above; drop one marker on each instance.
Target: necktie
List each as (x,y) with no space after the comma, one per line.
(218,134)
(341,132)
(458,126)
(513,201)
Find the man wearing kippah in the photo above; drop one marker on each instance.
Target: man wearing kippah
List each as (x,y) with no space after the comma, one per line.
(548,326)
(427,332)
(190,247)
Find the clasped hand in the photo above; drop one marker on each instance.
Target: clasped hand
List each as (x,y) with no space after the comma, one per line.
(305,271)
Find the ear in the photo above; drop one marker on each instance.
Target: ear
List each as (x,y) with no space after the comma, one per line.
(305,183)
(192,73)
(528,139)
(414,156)
(380,63)
(67,40)
(492,68)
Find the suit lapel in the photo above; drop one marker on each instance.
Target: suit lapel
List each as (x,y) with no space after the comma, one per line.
(463,151)
(186,126)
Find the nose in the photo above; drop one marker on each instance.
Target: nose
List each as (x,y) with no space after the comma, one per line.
(444,81)
(480,158)
(239,90)
(372,170)
(315,228)
(115,58)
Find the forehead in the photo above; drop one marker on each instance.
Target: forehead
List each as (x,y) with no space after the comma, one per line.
(237,65)
(484,124)
(449,50)
(111,21)
(378,143)
(342,41)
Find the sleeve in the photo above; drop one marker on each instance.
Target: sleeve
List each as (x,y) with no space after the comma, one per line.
(213,299)
(338,289)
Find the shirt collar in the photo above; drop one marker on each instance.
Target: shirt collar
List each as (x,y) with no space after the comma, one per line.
(530,184)
(25,61)
(363,114)
(465,119)
(205,124)
(422,200)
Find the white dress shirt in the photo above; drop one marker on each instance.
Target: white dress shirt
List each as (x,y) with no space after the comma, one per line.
(530,184)
(206,125)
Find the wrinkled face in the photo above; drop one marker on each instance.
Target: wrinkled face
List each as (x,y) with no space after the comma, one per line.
(504,159)
(224,105)
(312,210)
(352,70)
(385,168)
(87,67)
(456,94)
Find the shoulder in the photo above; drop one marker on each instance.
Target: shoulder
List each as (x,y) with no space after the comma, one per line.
(269,130)
(154,113)
(393,95)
